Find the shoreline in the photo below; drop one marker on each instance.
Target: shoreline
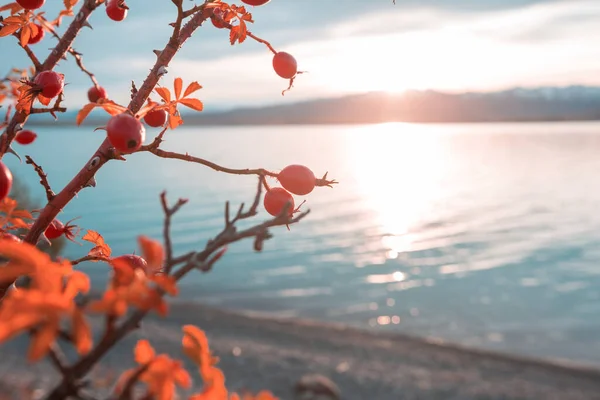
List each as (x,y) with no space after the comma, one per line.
(260,352)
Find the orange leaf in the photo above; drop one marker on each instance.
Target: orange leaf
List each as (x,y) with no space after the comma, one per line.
(174,121)
(144,353)
(70,3)
(166,283)
(146,109)
(8,30)
(22,255)
(164,93)
(111,107)
(178,85)
(82,334)
(84,112)
(192,87)
(26,34)
(153,252)
(13,7)
(101,249)
(43,339)
(78,283)
(192,103)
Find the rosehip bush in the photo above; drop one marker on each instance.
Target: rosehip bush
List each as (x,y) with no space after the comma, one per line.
(40,295)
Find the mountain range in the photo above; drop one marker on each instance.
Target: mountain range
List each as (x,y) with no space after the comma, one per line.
(518,104)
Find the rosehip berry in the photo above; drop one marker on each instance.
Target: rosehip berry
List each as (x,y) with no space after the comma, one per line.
(31,4)
(156,118)
(285,65)
(255,2)
(51,83)
(116,10)
(125,133)
(215,21)
(25,137)
(55,229)
(96,93)
(298,179)
(276,199)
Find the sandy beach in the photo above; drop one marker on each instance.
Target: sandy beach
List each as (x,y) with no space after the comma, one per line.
(262,353)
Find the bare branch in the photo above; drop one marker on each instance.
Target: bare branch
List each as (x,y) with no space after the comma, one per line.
(202,261)
(43,177)
(169,211)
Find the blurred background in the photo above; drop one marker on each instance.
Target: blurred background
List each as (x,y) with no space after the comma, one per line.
(462,134)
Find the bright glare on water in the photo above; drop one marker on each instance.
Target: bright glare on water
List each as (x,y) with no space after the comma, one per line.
(486,235)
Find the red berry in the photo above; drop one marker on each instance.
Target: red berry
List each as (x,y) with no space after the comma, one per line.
(285,65)
(31,4)
(6,180)
(9,236)
(37,38)
(55,229)
(276,199)
(116,10)
(96,93)
(125,133)
(51,83)
(156,118)
(25,137)
(255,2)
(215,21)
(298,179)
(134,261)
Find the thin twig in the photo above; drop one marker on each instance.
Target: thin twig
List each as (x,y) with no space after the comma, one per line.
(89,258)
(169,211)
(127,392)
(43,177)
(154,149)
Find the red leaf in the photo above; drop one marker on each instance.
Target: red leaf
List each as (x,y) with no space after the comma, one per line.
(153,252)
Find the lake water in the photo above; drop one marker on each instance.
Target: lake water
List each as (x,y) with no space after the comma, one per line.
(485,235)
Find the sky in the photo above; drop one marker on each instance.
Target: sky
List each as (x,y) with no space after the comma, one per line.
(347,46)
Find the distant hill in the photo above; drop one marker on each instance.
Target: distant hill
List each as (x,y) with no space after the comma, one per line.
(539,104)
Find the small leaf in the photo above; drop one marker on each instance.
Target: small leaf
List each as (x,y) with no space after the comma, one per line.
(164,93)
(13,7)
(82,334)
(101,249)
(143,352)
(8,30)
(178,84)
(153,252)
(192,103)
(25,35)
(192,87)
(84,112)
(43,339)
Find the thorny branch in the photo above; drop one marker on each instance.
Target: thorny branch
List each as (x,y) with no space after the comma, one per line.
(43,177)
(201,260)
(103,153)
(55,55)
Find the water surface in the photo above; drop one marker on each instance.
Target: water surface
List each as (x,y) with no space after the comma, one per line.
(485,235)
